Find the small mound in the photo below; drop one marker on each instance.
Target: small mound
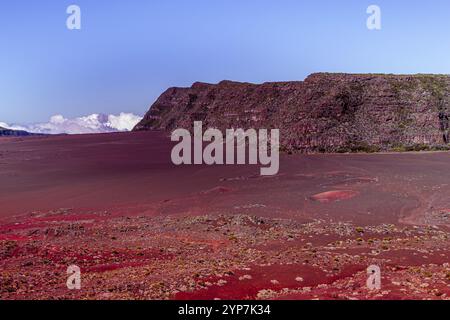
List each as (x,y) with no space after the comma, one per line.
(333,196)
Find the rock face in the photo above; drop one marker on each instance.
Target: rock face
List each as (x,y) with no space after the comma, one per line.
(324,113)
(14,133)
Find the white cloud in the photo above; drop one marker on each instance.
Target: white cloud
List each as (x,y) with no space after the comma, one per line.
(57,119)
(124,121)
(94,123)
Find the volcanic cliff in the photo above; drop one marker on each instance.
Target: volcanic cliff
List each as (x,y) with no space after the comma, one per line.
(324,113)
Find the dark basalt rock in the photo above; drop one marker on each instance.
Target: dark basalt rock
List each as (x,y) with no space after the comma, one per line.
(15,133)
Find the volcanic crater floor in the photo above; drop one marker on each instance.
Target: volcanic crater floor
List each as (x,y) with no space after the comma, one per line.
(140,228)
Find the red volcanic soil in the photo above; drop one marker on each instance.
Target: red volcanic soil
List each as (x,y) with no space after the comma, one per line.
(338,195)
(142,228)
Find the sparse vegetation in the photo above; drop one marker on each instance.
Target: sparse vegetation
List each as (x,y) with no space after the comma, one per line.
(419,148)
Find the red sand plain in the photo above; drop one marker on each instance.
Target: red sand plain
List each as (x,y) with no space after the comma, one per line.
(142,228)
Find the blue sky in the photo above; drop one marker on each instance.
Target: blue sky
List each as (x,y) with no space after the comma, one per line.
(128,52)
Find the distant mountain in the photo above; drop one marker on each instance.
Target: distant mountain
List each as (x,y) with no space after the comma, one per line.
(90,124)
(15,133)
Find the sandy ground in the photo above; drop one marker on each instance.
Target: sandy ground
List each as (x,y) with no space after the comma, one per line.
(142,228)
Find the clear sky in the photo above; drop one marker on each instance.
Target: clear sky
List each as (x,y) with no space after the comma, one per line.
(128,52)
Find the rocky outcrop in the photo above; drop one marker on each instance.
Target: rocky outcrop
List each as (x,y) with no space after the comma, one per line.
(324,113)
